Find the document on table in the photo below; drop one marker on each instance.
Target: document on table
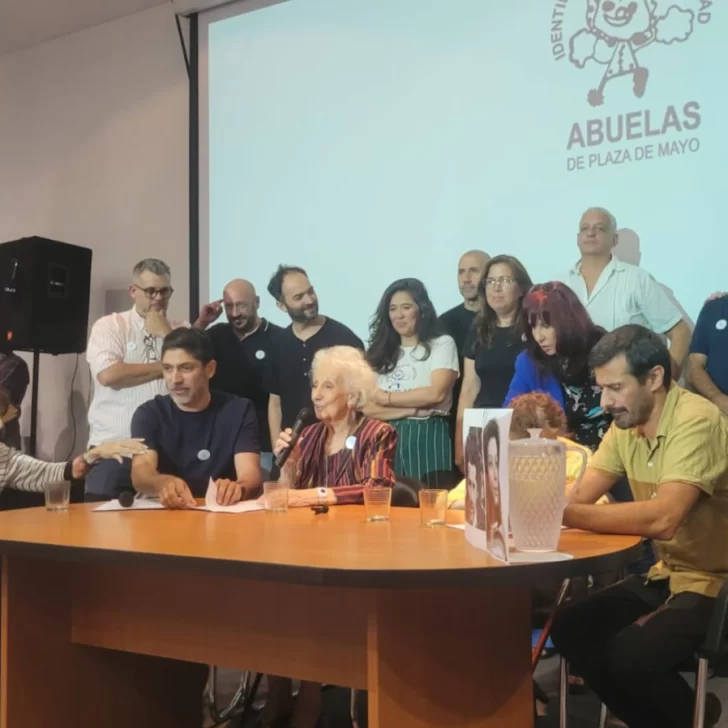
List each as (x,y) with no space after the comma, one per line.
(138,504)
(241,507)
(153,504)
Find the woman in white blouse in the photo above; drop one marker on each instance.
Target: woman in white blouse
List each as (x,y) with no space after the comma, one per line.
(417,367)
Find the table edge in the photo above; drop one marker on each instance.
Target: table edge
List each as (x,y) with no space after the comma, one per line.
(464,578)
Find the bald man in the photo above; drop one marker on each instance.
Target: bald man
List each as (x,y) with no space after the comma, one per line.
(458,320)
(616,293)
(242,349)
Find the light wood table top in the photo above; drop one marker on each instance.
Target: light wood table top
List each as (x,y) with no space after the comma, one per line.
(335,549)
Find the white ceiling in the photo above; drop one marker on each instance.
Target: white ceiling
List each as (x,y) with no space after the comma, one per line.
(25,23)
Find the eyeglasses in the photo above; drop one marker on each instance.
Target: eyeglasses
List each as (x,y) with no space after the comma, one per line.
(500,281)
(150,348)
(151,293)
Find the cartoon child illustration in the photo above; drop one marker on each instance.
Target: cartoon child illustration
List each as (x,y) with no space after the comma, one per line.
(617,31)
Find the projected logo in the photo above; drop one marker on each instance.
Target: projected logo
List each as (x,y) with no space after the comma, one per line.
(611,41)
(617,34)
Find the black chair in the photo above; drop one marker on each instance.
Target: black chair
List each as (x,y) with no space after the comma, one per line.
(712,655)
(404,492)
(711,660)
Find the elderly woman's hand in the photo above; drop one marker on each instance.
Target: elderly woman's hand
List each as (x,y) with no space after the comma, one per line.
(116,450)
(283,441)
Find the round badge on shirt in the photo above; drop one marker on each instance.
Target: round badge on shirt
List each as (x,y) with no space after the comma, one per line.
(260,354)
(720,325)
(350,442)
(203,455)
(131,345)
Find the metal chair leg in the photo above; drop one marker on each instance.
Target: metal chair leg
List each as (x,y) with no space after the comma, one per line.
(352,709)
(701,680)
(243,698)
(603,716)
(563,692)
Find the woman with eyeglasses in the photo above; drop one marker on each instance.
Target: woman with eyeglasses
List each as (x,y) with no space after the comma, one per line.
(559,337)
(494,342)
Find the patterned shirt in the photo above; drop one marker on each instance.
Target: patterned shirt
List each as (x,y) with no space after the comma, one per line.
(585,416)
(369,462)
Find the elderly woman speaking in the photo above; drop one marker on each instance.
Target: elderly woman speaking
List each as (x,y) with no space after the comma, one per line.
(332,463)
(344,452)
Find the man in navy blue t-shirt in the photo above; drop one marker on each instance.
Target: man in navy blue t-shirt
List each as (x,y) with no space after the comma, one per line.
(708,360)
(194,434)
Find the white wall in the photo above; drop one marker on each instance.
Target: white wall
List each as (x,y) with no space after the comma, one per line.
(93,151)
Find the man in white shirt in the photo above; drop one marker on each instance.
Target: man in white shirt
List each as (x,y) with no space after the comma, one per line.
(123,354)
(616,293)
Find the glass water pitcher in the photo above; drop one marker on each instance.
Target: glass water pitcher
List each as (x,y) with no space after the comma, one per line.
(537,484)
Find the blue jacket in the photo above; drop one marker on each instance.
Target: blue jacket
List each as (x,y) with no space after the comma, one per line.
(528,377)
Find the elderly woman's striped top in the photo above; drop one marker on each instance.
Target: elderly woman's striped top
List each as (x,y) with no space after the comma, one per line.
(370,462)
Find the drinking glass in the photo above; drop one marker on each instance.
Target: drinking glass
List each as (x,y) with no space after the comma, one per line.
(57,496)
(433,505)
(276,496)
(377,502)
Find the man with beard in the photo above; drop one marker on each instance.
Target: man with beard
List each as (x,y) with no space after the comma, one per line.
(242,349)
(629,640)
(458,320)
(194,435)
(287,378)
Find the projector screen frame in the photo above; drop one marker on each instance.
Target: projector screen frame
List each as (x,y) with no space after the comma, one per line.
(200,144)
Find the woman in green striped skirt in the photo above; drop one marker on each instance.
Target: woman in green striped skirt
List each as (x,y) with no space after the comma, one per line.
(417,367)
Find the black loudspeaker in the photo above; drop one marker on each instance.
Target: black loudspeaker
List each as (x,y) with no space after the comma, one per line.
(44,292)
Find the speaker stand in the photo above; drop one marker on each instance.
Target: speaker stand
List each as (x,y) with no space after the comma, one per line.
(34,403)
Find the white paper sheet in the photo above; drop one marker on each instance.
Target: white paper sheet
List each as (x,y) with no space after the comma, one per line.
(152,504)
(138,504)
(211,503)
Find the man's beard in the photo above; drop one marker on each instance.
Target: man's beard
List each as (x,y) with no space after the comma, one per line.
(471,296)
(248,324)
(302,316)
(626,420)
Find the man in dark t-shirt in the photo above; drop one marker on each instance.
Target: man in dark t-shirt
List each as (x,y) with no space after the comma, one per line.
(242,348)
(707,369)
(458,321)
(195,435)
(287,378)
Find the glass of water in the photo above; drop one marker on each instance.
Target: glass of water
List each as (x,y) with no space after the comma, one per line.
(276,496)
(433,505)
(377,502)
(57,496)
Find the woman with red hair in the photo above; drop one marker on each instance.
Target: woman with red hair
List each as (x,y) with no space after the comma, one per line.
(559,337)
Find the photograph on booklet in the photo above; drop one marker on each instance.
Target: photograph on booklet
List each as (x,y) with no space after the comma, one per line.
(485,454)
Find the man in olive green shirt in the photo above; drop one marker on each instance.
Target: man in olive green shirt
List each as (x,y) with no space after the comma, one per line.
(629,640)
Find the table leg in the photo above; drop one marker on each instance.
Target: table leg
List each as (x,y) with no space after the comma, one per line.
(455,659)
(48,682)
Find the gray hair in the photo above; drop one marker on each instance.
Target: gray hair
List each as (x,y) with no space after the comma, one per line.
(349,364)
(603,211)
(153,265)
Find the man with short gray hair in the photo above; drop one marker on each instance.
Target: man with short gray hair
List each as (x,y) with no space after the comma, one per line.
(616,293)
(123,354)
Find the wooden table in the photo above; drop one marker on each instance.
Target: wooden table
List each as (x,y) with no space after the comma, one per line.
(105,614)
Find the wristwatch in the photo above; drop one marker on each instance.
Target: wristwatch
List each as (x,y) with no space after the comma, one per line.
(323,496)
